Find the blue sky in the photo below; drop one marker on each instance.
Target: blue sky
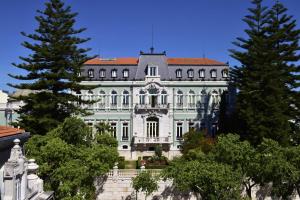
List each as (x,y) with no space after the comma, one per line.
(121,28)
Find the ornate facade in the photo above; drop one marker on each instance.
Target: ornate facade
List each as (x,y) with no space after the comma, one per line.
(154,99)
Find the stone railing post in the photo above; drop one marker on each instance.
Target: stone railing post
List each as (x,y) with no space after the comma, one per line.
(115,172)
(35,184)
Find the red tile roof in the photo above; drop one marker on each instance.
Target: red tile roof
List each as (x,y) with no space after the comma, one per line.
(193,61)
(8,131)
(114,61)
(171,61)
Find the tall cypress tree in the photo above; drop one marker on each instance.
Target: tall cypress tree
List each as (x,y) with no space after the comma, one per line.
(263,101)
(52,69)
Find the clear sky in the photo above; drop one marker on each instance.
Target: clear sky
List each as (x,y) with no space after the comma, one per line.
(121,28)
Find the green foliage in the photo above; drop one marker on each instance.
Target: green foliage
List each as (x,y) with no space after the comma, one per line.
(158,150)
(52,70)
(267,79)
(121,162)
(194,140)
(145,182)
(69,167)
(210,179)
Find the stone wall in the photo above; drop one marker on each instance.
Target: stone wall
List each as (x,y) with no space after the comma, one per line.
(117,185)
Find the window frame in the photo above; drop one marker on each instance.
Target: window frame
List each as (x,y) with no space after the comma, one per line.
(113,72)
(102,73)
(91,73)
(126,73)
(178,73)
(213,73)
(202,73)
(190,73)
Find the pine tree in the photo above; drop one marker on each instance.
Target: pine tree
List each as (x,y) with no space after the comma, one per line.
(52,69)
(264,100)
(284,40)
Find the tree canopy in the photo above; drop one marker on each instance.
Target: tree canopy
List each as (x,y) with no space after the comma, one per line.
(268,76)
(52,69)
(70,159)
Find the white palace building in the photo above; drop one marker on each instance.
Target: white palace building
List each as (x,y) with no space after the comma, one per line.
(153,100)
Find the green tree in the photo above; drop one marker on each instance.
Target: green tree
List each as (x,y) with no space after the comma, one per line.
(205,178)
(195,140)
(145,182)
(241,156)
(52,69)
(70,167)
(277,169)
(266,78)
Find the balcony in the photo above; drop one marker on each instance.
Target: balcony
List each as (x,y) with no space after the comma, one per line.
(152,140)
(149,107)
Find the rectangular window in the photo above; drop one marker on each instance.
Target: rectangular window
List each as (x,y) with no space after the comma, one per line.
(113,127)
(125,74)
(179,129)
(201,73)
(164,99)
(126,99)
(191,73)
(102,73)
(152,129)
(152,71)
(125,131)
(213,73)
(178,73)
(114,73)
(91,73)
(142,99)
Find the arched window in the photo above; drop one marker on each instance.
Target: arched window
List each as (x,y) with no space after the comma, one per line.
(215,98)
(202,73)
(190,73)
(101,101)
(125,73)
(213,73)
(114,73)
(225,73)
(142,97)
(152,127)
(102,73)
(179,98)
(192,99)
(91,73)
(125,98)
(164,97)
(114,98)
(203,99)
(178,73)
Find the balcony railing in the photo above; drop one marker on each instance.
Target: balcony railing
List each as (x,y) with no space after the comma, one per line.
(151,140)
(151,107)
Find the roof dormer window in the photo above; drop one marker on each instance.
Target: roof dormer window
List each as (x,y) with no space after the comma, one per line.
(125,73)
(213,73)
(152,70)
(114,73)
(190,73)
(202,73)
(91,73)
(102,73)
(178,73)
(225,73)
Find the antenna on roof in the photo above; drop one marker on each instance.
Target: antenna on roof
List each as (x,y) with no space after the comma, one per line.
(152,38)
